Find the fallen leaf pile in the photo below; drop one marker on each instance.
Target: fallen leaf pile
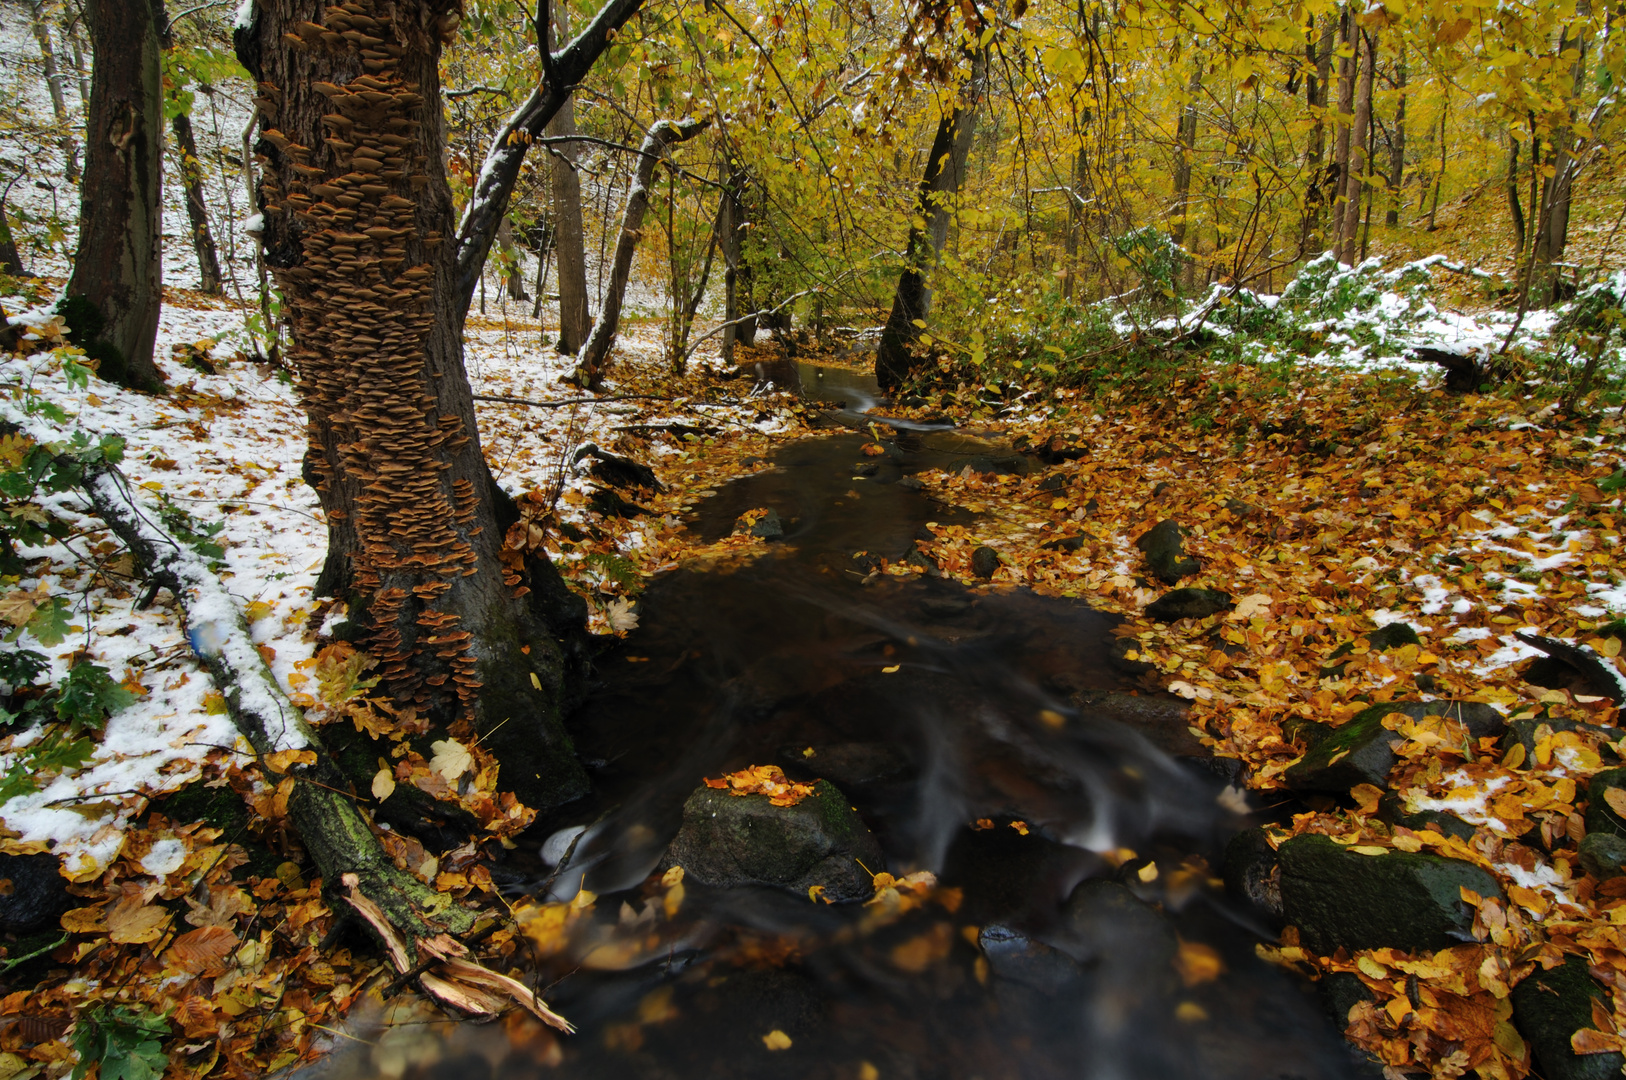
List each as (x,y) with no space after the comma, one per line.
(766,780)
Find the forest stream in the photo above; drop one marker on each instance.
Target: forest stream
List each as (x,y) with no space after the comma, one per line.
(1078,927)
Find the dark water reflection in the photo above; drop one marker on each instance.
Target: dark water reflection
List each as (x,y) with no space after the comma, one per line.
(932,706)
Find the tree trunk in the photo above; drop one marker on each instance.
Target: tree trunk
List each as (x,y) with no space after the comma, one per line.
(928,232)
(500,170)
(1397,148)
(1076,200)
(1185,144)
(197,209)
(513,275)
(1514,209)
(11,262)
(736,273)
(1355,179)
(1315,93)
(575,319)
(1552,230)
(1439,177)
(594,359)
(112,298)
(1341,142)
(53,82)
(469,629)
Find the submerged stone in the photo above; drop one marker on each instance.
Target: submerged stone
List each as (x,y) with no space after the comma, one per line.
(1400,899)
(728,840)
(984,561)
(1014,956)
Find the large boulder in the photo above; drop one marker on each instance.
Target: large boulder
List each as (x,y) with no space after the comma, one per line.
(1361,751)
(1551,1006)
(1400,899)
(1165,552)
(728,840)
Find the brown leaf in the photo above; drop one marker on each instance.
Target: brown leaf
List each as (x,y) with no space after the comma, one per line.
(132,922)
(203,950)
(84,920)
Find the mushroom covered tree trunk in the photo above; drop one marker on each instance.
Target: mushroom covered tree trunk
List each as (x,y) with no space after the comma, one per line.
(470,628)
(112,298)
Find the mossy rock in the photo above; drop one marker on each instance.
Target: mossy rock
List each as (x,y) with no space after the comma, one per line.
(1165,552)
(1401,900)
(1361,751)
(1392,809)
(1600,818)
(1188,604)
(1603,855)
(728,840)
(1549,1007)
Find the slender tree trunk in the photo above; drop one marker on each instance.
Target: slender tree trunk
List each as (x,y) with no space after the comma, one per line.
(1439,177)
(53,82)
(945,167)
(1076,199)
(1397,148)
(680,351)
(574,317)
(514,272)
(741,328)
(1355,180)
(1185,144)
(11,262)
(594,360)
(1341,142)
(113,297)
(1552,230)
(197,208)
(1315,94)
(1515,211)
(471,629)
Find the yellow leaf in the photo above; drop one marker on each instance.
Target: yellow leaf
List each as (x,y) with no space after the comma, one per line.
(776,1040)
(1368,849)
(1514,756)
(1198,963)
(1616,798)
(1189,1012)
(1147,873)
(1370,967)
(214,703)
(383,784)
(1367,795)
(452,759)
(84,920)
(891,670)
(256,610)
(536,683)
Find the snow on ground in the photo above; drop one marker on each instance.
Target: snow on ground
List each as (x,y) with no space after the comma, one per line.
(228,448)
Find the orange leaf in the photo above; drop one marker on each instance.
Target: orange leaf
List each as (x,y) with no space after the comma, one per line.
(203,949)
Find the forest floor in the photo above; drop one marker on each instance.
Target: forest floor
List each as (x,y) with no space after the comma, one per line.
(1328,500)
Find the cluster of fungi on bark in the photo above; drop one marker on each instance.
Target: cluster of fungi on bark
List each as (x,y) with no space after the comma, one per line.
(365,309)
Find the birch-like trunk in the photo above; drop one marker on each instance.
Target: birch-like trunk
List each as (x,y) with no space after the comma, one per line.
(594,359)
(53,82)
(928,232)
(112,298)
(566,190)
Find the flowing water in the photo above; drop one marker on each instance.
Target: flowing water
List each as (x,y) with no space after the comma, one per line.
(1094,944)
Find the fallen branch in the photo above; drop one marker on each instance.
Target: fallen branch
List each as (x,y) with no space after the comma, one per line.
(567,401)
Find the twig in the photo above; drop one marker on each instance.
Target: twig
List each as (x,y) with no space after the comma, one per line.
(424,965)
(568,401)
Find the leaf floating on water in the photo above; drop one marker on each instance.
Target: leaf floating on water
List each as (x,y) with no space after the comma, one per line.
(1198,963)
(1021,827)
(776,1040)
(982,823)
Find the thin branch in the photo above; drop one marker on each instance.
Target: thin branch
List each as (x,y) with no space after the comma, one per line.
(568,401)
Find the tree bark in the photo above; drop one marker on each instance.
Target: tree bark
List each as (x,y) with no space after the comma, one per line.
(469,627)
(566,188)
(53,82)
(500,170)
(1552,228)
(594,359)
(1397,148)
(197,208)
(1315,96)
(1355,179)
(1341,141)
(513,277)
(1515,211)
(928,232)
(736,272)
(11,262)
(1185,145)
(112,298)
